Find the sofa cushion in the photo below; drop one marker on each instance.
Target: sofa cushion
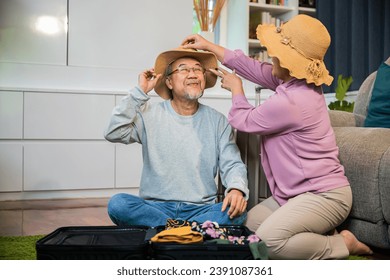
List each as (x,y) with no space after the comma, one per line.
(384,179)
(378,114)
(363,153)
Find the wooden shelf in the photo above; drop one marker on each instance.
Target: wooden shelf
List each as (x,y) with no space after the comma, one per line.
(273,9)
(307,11)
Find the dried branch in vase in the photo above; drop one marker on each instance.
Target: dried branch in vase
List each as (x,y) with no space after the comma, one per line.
(208,12)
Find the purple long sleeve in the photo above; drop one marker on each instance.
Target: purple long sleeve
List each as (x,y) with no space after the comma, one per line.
(298,150)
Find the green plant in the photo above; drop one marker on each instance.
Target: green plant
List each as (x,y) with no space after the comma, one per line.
(343,84)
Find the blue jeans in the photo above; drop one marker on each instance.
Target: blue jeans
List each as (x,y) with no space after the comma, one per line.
(126,209)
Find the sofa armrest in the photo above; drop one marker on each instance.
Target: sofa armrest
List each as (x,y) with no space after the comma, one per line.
(365,155)
(340,118)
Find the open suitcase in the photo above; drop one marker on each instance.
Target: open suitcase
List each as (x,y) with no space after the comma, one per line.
(127,243)
(90,243)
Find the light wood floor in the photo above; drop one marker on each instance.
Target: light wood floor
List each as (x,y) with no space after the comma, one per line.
(35,217)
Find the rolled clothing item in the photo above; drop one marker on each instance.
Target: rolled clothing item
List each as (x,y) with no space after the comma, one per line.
(182,235)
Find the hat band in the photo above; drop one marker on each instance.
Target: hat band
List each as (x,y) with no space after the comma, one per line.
(314,68)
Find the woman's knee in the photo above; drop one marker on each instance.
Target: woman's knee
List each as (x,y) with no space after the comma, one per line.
(256,216)
(275,242)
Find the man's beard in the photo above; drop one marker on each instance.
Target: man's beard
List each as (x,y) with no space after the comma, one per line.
(190,96)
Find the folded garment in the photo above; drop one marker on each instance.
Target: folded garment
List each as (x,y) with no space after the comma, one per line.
(259,250)
(172,223)
(183,235)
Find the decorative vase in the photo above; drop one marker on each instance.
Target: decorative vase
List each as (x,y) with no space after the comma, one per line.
(208,35)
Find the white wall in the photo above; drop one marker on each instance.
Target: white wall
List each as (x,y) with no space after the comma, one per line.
(59,83)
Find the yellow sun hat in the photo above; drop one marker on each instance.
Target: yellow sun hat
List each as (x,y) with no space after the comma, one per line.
(300,45)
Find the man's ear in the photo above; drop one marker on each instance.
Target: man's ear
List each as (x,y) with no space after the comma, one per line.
(168,83)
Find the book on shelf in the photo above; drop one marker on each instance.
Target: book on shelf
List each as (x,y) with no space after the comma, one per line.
(267,18)
(307,3)
(276,2)
(257,18)
(261,55)
(271,2)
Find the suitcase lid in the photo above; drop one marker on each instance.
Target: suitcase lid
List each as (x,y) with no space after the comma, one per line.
(97,236)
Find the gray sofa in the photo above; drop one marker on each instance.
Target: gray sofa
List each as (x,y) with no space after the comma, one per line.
(365,154)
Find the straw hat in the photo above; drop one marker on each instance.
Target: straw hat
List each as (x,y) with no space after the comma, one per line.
(207,60)
(300,45)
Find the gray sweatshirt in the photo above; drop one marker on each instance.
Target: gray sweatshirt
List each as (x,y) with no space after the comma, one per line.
(181,154)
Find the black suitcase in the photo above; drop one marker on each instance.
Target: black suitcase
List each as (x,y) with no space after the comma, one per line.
(206,250)
(95,243)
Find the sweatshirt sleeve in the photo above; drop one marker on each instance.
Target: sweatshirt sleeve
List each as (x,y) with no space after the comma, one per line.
(232,170)
(126,121)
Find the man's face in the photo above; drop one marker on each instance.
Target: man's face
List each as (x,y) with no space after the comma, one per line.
(187,79)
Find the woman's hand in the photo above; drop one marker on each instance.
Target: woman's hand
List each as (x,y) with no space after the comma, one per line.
(229,81)
(147,80)
(197,42)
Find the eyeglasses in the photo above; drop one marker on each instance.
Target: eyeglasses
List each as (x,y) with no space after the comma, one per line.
(185,70)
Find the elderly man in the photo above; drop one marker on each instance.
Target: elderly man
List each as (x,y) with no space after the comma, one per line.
(184,144)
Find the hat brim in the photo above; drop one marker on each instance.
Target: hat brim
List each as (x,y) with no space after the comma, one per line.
(207,59)
(289,58)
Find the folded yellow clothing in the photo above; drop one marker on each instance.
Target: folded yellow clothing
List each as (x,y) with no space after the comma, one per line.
(183,235)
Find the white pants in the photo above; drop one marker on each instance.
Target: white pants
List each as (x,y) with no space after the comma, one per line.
(298,229)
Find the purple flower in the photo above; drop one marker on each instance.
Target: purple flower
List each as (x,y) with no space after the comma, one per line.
(253,238)
(208,224)
(233,238)
(213,233)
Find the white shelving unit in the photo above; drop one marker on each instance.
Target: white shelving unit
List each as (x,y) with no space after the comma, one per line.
(258,13)
(242,15)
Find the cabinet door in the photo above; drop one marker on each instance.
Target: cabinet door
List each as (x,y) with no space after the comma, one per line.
(11,170)
(11,114)
(66,116)
(123,33)
(33,31)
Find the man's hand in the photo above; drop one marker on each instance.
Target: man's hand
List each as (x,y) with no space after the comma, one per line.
(147,80)
(235,199)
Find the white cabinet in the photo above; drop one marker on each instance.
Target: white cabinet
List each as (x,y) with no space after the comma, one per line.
(62,65)
(69,116)
(33,31)
(88,44)
(11,115)
(11,167)
(125,34)
(68,165)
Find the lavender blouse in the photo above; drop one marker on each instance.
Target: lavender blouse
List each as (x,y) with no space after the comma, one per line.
(298,148)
